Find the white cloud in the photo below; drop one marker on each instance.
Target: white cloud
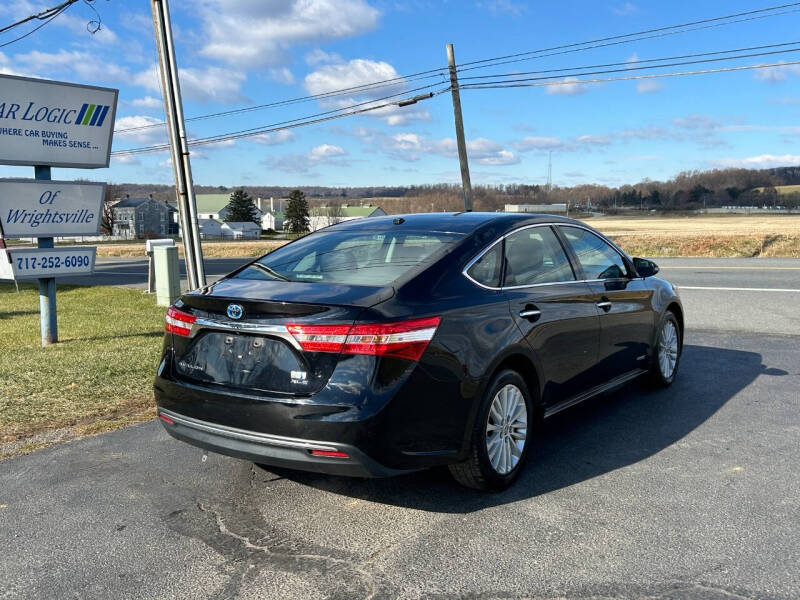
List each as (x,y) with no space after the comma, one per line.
(210,84)
(648,86)
(273,139)
(626,9)
(274,26)
(147,102)
(593,140)
(151,135)
(125,159)
(762,161)
(533,142)
(325,151)
(569,86)
(303,163)
(282,75)
(320,57)
(358,73)
(777,74)
(497,7)
(409,146)
(84,65)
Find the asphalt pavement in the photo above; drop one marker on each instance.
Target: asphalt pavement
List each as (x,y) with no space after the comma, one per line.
(688,492)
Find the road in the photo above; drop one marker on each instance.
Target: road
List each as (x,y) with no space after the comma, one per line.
(689,492)
(758,294)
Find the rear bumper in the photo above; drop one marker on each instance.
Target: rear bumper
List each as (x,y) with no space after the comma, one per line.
(273,450)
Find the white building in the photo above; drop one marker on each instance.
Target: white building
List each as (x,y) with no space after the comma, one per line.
(241,230)
(322,216)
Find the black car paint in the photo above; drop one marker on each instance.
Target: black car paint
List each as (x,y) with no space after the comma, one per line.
(406,415)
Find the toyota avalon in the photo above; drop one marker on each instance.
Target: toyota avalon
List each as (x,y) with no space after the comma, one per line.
(389,344)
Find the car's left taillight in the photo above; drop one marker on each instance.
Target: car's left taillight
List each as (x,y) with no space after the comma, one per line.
(179,322)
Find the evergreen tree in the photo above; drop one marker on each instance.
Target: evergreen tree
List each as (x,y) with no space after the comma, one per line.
(296,216)
(241,208)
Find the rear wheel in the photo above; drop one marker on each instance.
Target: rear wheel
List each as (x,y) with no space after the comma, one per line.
(667,352)
(501,436)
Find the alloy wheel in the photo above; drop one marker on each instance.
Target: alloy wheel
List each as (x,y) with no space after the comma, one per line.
(506,429)
(668,349)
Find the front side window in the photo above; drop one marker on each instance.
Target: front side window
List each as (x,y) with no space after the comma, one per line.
(351,258)
(535,256)
(597,258)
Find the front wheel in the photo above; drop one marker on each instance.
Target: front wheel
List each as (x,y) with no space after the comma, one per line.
(501,436)
(667,352)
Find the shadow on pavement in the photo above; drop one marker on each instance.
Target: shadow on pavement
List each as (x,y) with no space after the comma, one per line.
(601,435)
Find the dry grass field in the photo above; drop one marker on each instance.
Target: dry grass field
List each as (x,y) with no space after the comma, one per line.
(251,249)
(705,235)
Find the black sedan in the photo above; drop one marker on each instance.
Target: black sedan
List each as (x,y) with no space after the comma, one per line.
(389,344)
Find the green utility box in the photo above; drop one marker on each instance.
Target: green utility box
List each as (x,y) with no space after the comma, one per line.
(168,279)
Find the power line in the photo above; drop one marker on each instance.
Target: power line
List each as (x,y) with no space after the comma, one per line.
(635,68)
(269,128)
(431,73)
(489,86)
(45,14)
(629,62)
(367,87)
(635,34)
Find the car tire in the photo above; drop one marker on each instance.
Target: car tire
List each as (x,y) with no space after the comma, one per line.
(667,351)
(495,457)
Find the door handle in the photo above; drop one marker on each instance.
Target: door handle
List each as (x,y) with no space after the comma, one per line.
(530,313)
(605,305)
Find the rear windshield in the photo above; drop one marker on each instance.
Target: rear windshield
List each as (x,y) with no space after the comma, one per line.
(351,258)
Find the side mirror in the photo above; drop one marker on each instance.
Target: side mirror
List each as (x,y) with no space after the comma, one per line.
(645,268)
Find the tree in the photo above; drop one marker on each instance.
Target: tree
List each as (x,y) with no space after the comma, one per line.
(241,208)
(296,216)
(113,193)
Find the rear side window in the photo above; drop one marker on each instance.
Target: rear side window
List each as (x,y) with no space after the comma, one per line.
(535,256)
(598,259)
(351,258)
(487,269)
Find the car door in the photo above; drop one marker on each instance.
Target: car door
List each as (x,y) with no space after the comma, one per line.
(626,316)
(555,312)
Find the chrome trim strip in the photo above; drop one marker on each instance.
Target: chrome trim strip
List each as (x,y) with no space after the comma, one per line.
(531,285)
(617,381)
(248,436)
(278,331)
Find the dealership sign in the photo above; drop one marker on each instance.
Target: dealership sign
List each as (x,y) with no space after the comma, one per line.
(33,263)
(30,208)
(54,123)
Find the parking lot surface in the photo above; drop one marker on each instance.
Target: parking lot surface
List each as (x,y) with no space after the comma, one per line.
(690,492)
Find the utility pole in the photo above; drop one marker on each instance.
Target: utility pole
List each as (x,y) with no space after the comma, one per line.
(181,167)
(462,144)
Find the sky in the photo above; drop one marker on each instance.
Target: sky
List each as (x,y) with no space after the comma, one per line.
(250,52)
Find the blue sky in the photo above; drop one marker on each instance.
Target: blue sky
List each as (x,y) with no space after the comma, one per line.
(238,54)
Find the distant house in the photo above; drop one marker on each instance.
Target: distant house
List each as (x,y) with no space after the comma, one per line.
(241,230)
(209,229)
(272,221)
(212,206)
(536,208)
(140,217)
(323,216)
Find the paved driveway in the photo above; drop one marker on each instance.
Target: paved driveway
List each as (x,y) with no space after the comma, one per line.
(691,492)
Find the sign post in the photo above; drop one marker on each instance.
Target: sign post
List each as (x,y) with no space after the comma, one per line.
(48,124)
(47,285)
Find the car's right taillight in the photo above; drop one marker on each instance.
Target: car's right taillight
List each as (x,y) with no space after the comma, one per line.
(400,339)
(179,322)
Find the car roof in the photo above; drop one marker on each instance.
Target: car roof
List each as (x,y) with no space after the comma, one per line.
(454,222)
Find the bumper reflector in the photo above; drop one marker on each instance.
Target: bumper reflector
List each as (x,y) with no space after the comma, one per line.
(329,454)
(166,419)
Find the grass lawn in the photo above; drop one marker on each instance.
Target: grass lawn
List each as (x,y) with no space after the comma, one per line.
(98,377)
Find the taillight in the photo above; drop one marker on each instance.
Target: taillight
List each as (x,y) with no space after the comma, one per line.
(179,322)
(403,339)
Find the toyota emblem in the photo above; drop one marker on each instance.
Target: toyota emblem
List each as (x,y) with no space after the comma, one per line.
(235,311)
